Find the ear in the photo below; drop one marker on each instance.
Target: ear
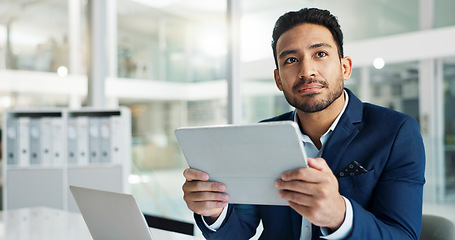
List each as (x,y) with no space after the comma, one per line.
(276,75)
(346,67)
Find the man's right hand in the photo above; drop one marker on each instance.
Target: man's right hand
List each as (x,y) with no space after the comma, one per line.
(203,197)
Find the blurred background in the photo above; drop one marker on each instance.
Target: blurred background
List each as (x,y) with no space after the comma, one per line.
(180,63)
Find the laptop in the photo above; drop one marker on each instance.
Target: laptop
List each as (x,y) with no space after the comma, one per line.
(111,215)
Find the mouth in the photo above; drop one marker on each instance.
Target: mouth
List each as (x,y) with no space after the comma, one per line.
(310,88)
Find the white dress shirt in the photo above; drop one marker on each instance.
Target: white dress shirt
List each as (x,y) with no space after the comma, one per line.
(312,152)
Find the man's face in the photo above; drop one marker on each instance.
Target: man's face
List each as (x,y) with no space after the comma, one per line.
(310,72)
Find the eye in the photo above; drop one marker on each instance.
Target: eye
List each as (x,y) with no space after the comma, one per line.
(291,60)
(321,54)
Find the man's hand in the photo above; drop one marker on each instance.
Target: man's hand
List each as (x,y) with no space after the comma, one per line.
(203,197)
(313,193)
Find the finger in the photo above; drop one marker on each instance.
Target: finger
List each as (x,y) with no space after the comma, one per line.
(192,174)
(209,205)
(296,186)
(319,164)
(206,196)
(201,186)
(301,209)
(298,198)
(326,215)
(301,174)
(311,174)
(207,208)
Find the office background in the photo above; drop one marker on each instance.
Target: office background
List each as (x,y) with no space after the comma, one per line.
(171,62)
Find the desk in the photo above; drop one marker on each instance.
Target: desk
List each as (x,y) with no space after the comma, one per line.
(53,224)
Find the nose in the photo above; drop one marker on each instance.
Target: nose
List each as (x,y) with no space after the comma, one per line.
(307,69)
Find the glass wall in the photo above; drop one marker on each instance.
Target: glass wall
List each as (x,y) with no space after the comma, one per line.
(443,13)
(396,86)
(177,41)
(36,41)
(449,127)
(354,82)
(169,42)
(30,39)
(262,106)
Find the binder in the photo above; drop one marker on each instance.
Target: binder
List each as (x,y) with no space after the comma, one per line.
(46,141)
(11,142)
(94,139)
(57,142)
(105,138)
(35,141)
(24,141)
(117,129)
(72,153)
(82,140)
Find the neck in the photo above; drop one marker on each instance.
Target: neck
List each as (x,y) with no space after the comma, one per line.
(316,124)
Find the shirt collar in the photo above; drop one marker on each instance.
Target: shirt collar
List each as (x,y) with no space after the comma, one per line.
(335,123)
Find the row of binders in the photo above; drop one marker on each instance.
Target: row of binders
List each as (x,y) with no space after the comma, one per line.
(40,139)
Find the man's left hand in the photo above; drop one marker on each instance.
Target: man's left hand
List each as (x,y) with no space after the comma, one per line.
(313,193)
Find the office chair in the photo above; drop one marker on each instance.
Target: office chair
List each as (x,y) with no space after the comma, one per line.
(436,228)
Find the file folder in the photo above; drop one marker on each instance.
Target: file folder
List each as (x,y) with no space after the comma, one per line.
(117,129)
(94,139)
(11,142)
(72,141)
(35,141)
(24,141)
(105,138)
(46,141)
(82,140)
(57,141)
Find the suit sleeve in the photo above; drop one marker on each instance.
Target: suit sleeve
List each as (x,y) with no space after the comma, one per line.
(395,211)
(240,223)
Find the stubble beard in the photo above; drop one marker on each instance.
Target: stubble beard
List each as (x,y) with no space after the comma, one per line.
(311,106)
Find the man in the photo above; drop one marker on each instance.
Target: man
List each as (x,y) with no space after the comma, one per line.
(367,163)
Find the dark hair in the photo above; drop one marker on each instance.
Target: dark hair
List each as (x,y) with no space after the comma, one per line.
(307,15)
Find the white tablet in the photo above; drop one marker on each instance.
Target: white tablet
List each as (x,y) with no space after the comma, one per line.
(247,158)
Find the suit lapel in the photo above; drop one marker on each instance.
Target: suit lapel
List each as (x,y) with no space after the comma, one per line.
(346,130)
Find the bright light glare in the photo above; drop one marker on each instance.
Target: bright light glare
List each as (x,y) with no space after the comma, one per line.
(212,42)
(254,29)
(62,71)
(134,179)
(378,63)
(5,102)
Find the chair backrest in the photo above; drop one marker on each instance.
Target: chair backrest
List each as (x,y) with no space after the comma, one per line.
(437,228)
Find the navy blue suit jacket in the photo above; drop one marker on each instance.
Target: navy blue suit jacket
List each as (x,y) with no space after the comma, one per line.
(386,201)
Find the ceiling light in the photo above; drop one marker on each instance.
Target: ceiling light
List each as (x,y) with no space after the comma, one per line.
(62,71)
(378,63)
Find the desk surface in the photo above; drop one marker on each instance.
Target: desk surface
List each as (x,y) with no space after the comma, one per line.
(53,224)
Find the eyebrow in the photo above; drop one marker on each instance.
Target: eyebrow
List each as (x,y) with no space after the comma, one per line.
(316,45)
(287,52)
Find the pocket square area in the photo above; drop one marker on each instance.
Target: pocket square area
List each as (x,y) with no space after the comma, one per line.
(352,169)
